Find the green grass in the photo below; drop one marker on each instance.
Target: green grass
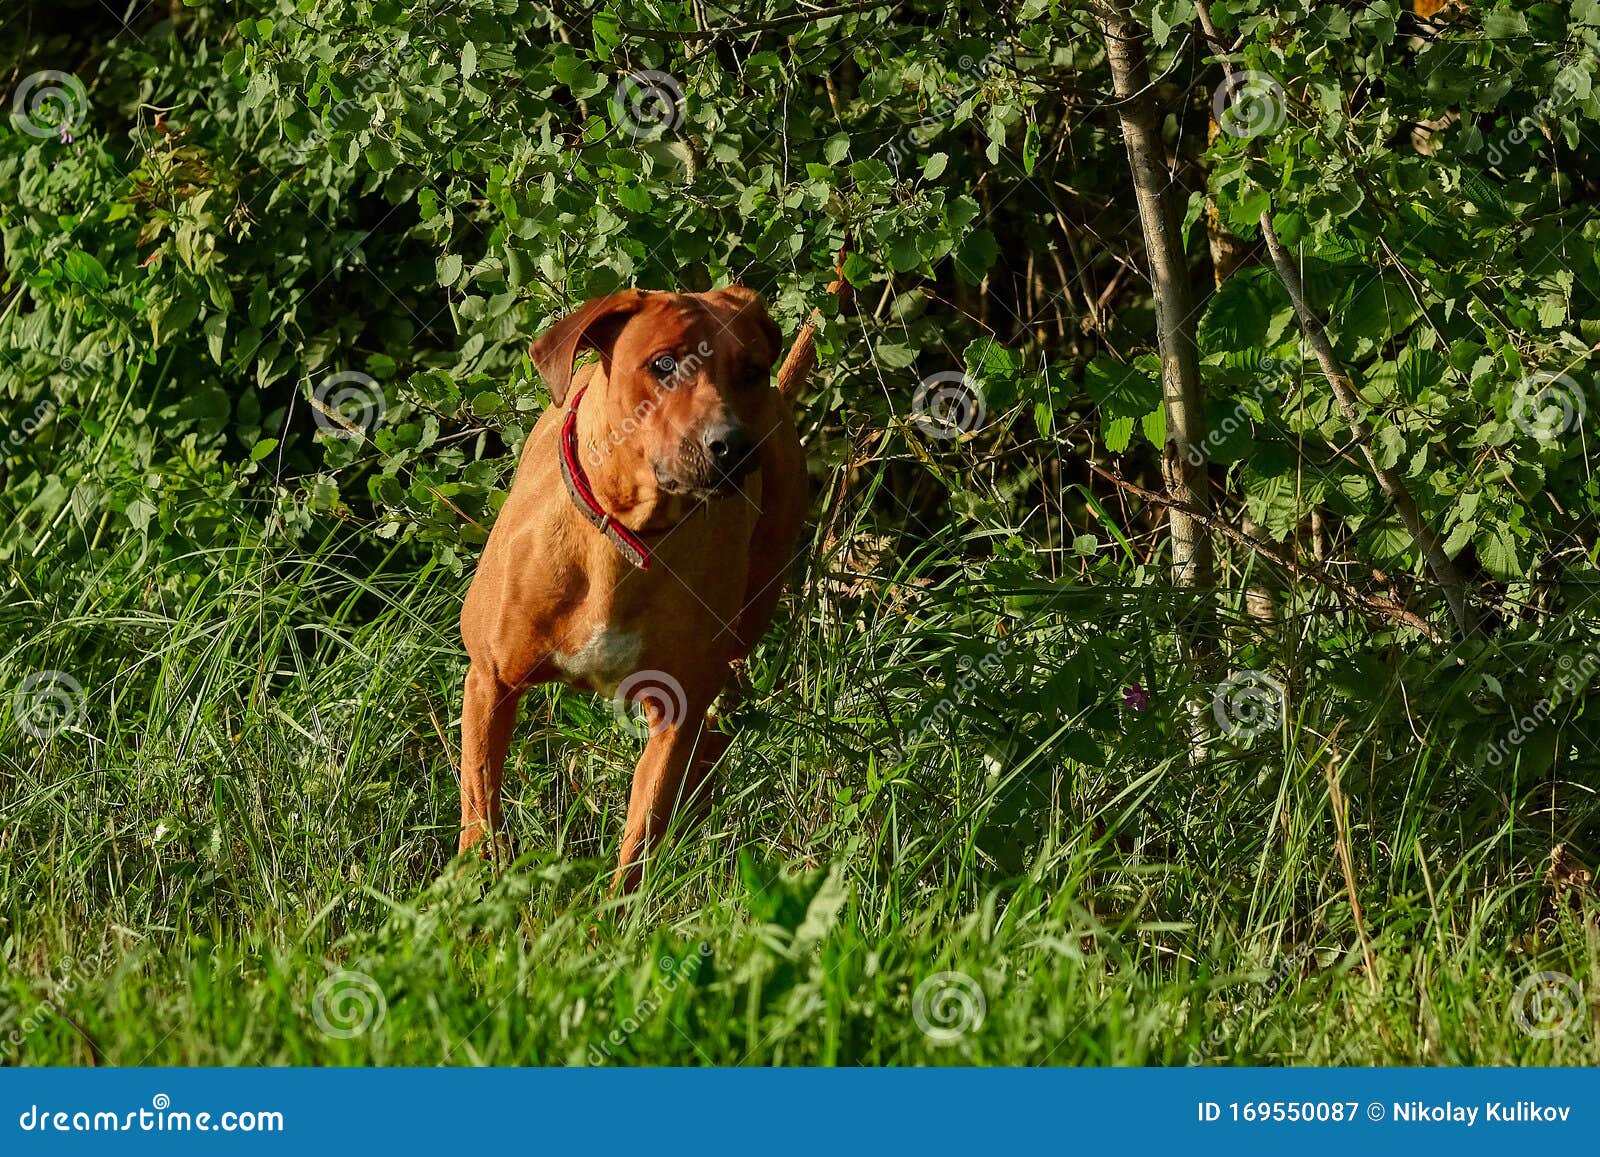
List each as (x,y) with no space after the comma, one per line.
(260,794)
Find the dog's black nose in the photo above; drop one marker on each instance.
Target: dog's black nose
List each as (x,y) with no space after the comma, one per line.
(730,449)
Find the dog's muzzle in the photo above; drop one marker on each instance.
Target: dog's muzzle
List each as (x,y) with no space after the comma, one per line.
(720,459)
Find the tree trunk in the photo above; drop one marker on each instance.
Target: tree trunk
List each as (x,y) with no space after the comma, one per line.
(1183,460)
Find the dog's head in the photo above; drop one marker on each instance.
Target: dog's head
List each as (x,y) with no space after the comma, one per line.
(688,398)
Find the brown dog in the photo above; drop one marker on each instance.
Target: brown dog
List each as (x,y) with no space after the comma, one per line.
(644,544)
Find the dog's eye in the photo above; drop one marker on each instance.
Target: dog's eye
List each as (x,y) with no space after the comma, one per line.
(665,365)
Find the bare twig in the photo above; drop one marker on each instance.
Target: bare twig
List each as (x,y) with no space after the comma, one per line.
(727,30)
(1382,608)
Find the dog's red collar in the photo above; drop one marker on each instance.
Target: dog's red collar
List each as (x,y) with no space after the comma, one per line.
(583,497)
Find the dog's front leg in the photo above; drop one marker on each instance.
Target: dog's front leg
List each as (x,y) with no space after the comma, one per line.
(488,714)
(661,784)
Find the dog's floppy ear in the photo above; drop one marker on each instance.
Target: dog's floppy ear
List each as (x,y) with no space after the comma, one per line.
(758,324)
(594,325)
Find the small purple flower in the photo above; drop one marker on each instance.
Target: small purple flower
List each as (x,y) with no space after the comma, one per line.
(1136,697)
(66,134)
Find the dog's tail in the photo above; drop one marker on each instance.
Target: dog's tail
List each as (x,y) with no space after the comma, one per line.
(802,359)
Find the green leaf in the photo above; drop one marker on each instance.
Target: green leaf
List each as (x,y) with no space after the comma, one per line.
(1505,23)
(171,319)
(1117,433)
(857,270)
(86,270)
(1126,395)
(1497,552)
(1240,312)
(382,155)
(903,252)
(976,255)
(449,269)
(1031,144)
(1165,15)
(894,355)
(216,329)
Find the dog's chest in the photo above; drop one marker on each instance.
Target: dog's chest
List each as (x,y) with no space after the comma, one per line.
(605,658)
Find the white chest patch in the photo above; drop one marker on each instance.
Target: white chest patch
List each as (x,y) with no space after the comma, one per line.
(607,658)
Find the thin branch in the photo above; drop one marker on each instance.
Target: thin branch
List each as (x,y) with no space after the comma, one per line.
(690,37)
(797,367)
(1344,391)
(1379,607)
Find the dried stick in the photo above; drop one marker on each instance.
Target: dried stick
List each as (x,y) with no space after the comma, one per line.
(1341,826)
